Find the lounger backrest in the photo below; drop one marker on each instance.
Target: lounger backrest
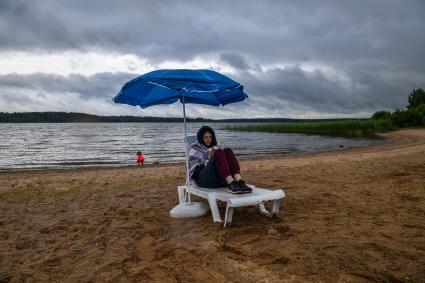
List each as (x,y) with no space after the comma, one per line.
(189,141)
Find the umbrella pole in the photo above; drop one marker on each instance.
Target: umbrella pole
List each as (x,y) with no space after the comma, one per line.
(185,147)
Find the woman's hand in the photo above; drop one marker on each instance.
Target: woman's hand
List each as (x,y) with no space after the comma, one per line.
(219,146)
(211,153)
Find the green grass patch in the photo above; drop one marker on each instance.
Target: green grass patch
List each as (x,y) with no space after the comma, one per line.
(351,128)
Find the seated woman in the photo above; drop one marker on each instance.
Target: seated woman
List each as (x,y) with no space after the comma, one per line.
(214,167)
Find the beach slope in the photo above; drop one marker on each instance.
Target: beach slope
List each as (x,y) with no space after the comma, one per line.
(354,215)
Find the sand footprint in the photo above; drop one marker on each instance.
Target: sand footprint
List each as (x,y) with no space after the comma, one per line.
(146,253)
(144,248)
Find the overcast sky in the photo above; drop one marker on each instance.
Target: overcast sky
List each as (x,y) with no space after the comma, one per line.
(296,59)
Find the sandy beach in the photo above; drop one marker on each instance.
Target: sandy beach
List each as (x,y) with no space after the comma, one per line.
(354,215)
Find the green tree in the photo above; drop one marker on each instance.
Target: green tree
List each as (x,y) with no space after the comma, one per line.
(416,97)
(381,115)
(408,118)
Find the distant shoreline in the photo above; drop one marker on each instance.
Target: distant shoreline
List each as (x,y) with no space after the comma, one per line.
(74,117)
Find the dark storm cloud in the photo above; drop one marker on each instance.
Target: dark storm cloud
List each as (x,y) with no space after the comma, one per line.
(100,85)
(378,46)
(277,87)
(27,25)
(266,30)
(235,60)
(274,90)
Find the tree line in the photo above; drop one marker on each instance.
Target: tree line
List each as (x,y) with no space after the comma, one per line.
(413,116)
(72,117)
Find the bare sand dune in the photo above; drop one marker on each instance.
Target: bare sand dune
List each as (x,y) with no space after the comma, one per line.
(355,215)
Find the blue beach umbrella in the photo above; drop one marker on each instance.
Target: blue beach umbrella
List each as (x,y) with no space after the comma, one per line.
(189,86)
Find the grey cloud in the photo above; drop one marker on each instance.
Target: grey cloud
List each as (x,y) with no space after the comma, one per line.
(100,85)
(267,31)
(278,91)
(313,90)
(26,25)
(235,60)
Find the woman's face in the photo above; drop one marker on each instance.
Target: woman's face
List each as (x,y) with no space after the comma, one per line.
(207,138)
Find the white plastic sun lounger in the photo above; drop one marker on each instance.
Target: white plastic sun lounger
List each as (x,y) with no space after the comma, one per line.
(258,197)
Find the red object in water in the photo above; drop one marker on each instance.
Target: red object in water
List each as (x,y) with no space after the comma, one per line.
(140,158)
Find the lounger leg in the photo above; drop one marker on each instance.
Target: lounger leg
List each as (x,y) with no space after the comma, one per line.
(229,216)
(214,208)
(263,209)
(275,208)
(182,194)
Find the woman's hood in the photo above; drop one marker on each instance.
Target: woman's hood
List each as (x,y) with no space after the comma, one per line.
(201,133)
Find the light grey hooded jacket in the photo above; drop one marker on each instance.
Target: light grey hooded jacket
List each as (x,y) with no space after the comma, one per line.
(198,155)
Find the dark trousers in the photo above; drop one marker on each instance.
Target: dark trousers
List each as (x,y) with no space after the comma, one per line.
(222,164)
(227,164)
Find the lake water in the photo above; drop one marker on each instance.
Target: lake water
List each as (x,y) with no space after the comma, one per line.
(57,145)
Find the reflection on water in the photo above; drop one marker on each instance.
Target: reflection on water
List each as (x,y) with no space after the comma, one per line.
(86,144)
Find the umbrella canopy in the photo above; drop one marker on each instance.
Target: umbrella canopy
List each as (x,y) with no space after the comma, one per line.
(189,86)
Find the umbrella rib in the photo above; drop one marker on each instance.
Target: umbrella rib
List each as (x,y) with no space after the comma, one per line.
(214,90)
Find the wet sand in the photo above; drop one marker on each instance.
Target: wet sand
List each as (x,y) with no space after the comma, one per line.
(355,215)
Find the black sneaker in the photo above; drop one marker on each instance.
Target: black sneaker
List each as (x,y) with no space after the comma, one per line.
(234,188)
(244,186)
